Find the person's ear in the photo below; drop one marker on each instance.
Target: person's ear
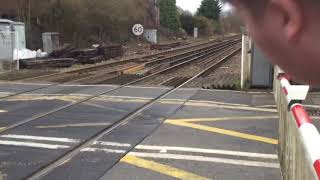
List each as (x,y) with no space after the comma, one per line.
(292,15)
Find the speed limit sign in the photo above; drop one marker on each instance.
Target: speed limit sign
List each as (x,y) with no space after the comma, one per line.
(137,29)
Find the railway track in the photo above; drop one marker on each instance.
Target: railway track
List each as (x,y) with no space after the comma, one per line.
(168,64)
(155,69)
(176,74)
(116,125)
(81,75)
(111,77)
(130,80)
(177,82)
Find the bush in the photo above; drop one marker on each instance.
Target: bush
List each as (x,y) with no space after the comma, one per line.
(186,19)
(87,21)
(205,25)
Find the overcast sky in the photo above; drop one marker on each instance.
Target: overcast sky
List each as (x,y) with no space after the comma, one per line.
(192,5)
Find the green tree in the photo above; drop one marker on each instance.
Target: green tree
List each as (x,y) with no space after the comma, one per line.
(84,22)
(186,19)
(169,14)
(210,9)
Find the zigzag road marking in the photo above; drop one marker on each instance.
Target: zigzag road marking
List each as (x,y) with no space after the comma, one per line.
(160,168)
(225,119)
(187,123)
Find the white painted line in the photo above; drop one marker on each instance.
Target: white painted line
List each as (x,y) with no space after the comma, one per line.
(242,92)
(148,87)
(216,102)
(34,145)
(3,111)
(46,95)
(208,151)
(127,97)
(267,106)
(105,143)
(75,125)
(205,159)
(23,83)
(30,94)
(311,106)
(86,95)
(6,93)
(230,107)
(103,150)
(83,85)
(189,89)
(176,101)
(40,138)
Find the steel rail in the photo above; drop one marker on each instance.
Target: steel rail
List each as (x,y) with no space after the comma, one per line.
(87,143)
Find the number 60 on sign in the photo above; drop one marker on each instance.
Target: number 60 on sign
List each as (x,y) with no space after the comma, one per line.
(137,29)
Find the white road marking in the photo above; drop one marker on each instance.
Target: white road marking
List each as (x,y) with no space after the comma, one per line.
(241,92)
(79,95)
(41,138)
(33,145)
(103,150)
(311,106)
(247,108)
(207,151)
(105,143)
(88,85)
(149,87)
(205,159)
(6,93)
(161,155)
(267,106)
(23,83)
(216,102)
(3,111)
(75,125)
(49,94)
(127,97)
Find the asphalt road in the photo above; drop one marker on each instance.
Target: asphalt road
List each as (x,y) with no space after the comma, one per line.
(191,134)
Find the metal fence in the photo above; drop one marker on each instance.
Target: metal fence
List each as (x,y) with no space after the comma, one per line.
(297,157)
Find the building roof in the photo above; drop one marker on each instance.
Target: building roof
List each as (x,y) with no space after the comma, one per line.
(7,21)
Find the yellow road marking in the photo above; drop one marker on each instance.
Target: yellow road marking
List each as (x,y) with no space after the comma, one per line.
(224,132)
(226,119)
(160,168)
(134,69)
(75,125)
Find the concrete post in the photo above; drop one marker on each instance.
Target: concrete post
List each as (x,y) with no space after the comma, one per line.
(195,32)
(245,61)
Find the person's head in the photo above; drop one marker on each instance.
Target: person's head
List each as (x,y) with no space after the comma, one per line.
(288,31)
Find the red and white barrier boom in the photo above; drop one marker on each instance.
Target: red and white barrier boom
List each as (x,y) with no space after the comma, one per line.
(295,94)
